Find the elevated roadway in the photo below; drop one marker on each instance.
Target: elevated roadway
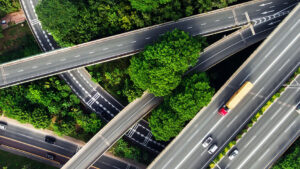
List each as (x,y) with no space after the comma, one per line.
(271,135)
(129,43)
(104,139)
(92,95)
(110,133)
(267,68)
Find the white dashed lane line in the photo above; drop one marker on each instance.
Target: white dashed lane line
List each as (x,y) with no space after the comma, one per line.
(34,67)
(119,45)
(63,59)
(148,38)
(203,24)
(49,63)
(21,70)
(76,56)
(91,52)
(133,42)
(217,20)
(105,49)
(190,27)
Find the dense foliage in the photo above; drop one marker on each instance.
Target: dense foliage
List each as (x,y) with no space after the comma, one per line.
(291,159)
(193,93)
(85,20)
(160,66)
(8,6)
(48,103)
(147,5)
(124,149)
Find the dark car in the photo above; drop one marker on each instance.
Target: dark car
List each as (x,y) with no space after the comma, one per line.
(50,156)
(50,139)
(298,108)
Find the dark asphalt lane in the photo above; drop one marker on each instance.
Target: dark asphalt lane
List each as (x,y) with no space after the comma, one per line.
(274,131)
(131,42)
(32,142)
(112,131)
(267,68)
(92,95)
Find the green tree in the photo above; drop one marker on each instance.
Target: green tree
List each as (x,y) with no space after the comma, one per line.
(159,67)
(90,123)
(147,5)
(193,93)
(8,6)
(40,118)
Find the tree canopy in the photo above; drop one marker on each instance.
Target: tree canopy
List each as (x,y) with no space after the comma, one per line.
(160,66)
(8,6)
(76,21)
(147,5)
(193,93)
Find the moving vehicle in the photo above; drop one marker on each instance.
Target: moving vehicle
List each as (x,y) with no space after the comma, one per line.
(50,156)
(50,139)
(233,154)
(212,149)
(236,98)
(207,141)
(3,125)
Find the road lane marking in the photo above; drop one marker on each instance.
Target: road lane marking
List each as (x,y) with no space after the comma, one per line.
(217,20)
(264,154)
(76,56)
(246,145)
(119,45)
(285,63)
(105,49)
(3,74)
(49,63)
(34,146)
(291,125)
(147,38)
(63,59)
(189,27)
(91,52)
(265,138)
(21,70)
(229,124)
(133,42)
(274,114)
(26,152)
(203,24)
(34,67)
(278,57)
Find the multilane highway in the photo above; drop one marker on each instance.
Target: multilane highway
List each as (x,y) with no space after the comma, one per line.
(267,68)
(271,135)
(103,140)
(31,142)
(126,44)
(92,95)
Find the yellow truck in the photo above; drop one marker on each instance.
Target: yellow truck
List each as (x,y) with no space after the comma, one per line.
(236,98)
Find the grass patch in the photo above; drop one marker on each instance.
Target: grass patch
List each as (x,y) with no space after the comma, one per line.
(12,161)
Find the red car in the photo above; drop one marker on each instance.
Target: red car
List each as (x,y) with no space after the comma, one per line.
(223,111)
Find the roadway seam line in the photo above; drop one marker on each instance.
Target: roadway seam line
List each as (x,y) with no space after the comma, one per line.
(23,151)
(254,111)
(104,139)
(235,17)
(34,146)
(3,74)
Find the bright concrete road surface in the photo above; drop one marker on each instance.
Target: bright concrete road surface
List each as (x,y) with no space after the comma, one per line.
(110,133)
(91,94)
(31,143)
(132,42)
(271,135)
(267,68)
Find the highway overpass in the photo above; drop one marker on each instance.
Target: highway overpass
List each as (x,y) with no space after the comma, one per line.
(267,68)
(98,145)
(111,132)
(129,43)
(91,94)
(270,137)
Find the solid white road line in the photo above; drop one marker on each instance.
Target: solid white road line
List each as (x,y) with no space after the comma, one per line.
(265,138)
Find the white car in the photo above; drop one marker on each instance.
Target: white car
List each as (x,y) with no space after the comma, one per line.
(233,154)
(212,149)
(3,126)
(207,141)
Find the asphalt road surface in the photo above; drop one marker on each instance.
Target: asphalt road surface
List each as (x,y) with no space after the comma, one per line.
(33,143)
(92,95)
(271,135)
(126,44)
(267,68)
(110,133)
